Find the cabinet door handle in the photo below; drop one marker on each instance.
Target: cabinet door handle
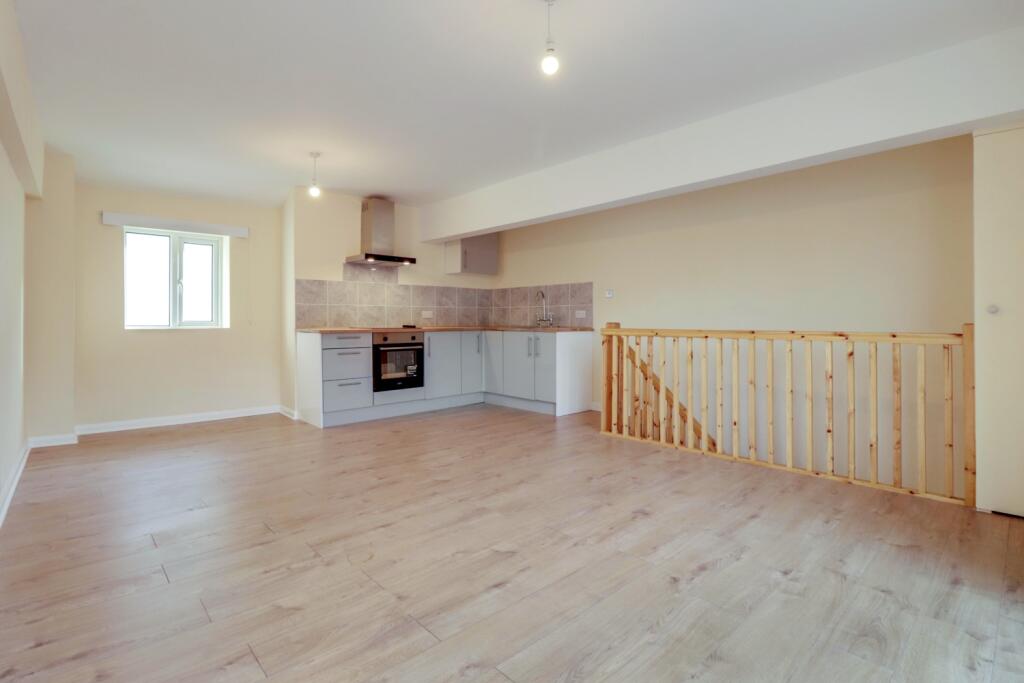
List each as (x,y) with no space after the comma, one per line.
(536,346)
(478,342)
(349,353)
(429,340)
(349,384)
(529,346)
(351,336)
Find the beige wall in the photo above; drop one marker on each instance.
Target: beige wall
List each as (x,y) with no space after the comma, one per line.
(874,243)
(999,281)
(134,374)
(12,252)
(50,302)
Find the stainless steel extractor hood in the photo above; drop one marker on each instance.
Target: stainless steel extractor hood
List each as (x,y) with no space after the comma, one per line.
(377,236)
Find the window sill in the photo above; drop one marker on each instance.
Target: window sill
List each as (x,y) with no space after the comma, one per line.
(175,329)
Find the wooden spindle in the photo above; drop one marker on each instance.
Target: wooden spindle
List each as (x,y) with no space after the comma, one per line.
(922,415)
(897,415)
(735,398)
(620,398)
(873,409)
(809,405)
(830,442)
(676,432)
(649,390)
(627,389)
(689,392)
(789,404)
(851,414)
(705,425)
(663,386)
(720,396)
(752,399)
(769,388)
(947,362)
(615,384)
(970,499)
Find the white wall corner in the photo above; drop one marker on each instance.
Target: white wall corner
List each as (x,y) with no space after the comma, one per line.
(287,412)
(20,130)
(5,503)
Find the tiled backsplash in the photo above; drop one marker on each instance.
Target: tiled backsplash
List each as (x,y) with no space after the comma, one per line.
(374,298)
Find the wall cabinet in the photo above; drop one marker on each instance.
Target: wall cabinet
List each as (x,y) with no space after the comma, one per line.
(472,362)
(443,372)
(472,255)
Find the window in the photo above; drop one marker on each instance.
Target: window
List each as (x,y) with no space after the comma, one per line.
(173,279)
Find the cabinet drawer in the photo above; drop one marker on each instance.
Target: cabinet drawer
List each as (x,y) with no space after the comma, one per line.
(347,363)
(347,394)
(345,340)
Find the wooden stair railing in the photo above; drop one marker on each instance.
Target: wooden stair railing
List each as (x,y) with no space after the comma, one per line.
(670,398)
(642,402)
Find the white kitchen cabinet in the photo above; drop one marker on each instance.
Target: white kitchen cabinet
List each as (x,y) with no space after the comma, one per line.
(544,366)
(493,363)
(472,362)
(477,254)
(443,373)
(517,359)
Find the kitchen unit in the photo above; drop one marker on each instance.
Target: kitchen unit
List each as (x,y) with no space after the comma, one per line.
(547,371)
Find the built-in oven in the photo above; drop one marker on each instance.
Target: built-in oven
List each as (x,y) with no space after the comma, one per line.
(397,360)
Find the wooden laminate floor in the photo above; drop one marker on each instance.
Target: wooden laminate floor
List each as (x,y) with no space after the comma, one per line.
(485,544)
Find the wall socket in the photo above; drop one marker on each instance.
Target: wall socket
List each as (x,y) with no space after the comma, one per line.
(580,315)
(609,293)
(428,314)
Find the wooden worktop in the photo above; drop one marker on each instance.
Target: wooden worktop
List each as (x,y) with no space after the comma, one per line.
(451,328)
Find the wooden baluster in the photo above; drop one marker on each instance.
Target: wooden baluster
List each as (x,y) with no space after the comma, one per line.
(789,403)
(769,387)
(922,415)
(615,385)
(809,405)
(704,425)
(649,393)
(735,398)
(873,409)
(969,426)
(897,416)
(830,444)
(720,395)
(620,398)
(675,393)
(851,413)
(627,388)
(662,398)
(689,392)
(606,384)
(752,399)
(947,358)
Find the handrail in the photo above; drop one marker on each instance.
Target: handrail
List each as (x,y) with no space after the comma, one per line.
(641,401)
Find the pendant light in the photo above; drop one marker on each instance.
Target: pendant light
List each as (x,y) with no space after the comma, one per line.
(549,64)
(314,189)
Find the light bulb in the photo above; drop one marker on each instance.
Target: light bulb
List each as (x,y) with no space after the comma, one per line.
(549,64)
(314,191)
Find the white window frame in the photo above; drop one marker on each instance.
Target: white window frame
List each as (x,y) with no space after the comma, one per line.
(178,239)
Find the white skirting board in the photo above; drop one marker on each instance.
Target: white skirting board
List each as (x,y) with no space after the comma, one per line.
(5,504)
(171,420)
(52,440)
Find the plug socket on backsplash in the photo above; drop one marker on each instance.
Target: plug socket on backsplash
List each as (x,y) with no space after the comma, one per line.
(375,299)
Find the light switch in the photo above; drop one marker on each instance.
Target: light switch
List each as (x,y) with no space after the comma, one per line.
(609,293)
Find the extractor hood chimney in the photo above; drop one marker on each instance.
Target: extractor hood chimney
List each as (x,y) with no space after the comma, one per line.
(377,236)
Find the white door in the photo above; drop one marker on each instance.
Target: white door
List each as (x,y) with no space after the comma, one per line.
(472,362)
(544,366)
(493,365)
(443,359)
(517,359)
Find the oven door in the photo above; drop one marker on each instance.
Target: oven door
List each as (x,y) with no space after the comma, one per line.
(397,366)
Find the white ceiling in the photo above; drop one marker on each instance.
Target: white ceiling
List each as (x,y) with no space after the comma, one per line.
(424,99)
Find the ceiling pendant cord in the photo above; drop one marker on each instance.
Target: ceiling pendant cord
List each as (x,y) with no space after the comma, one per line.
(549,62)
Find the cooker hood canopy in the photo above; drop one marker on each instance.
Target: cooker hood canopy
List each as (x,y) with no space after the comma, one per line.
(377,236)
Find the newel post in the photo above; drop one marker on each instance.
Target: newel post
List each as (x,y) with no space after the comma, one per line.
(606,383)
(970,454)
